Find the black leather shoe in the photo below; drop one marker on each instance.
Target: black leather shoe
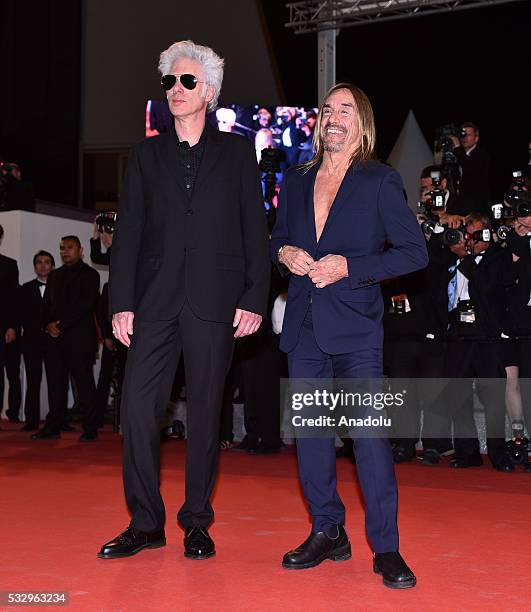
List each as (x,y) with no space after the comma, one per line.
(430,457)
(401,454)
(46,434)
(246,445)
(503,464)
(318,547)
(28,427)
(394,571)
(130,542)
(67,427)
(264,449)
(198,544)
(466,461)
(88,436)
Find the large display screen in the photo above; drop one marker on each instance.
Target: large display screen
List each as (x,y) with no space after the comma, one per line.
(284,132)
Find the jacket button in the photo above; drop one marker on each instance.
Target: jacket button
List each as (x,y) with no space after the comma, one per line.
(189,212)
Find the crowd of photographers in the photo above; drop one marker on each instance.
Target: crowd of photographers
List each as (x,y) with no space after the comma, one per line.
(466,317)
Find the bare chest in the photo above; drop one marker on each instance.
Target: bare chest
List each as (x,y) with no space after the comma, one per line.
(324,194)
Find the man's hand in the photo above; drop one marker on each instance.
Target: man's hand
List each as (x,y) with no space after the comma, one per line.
(11,335)
(522,225)
(53,330)
(122,326)
(106,240)
(296,260)
(453,221)
(328,270)
(95,233)
(455,140)
(245,322)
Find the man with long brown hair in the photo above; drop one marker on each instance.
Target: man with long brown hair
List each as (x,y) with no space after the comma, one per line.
(336,217)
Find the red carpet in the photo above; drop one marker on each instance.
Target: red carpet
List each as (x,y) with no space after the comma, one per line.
(466,535)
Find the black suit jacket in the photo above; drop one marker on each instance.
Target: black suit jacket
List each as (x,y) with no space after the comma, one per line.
(71,297)
(475,176)
(210,249)
(9,288)
(517,279)
(31,317)
(459,205)
(487,293)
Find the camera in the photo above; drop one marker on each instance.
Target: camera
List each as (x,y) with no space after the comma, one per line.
(517,198)
(105,222)
(451,236)
(443,142)
(437,202)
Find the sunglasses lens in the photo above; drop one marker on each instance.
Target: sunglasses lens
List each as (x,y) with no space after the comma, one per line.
(168,81)
(188,80)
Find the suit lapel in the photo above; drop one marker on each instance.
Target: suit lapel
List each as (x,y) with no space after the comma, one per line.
(308,183)
(171,162)
(346,190)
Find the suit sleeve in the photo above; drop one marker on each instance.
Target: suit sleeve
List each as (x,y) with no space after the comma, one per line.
(407,252)
(86,304)
(254,228)
(12,292)
(127,239)
(96,255)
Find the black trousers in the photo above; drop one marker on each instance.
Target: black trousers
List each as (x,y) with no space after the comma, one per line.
(10,359)
(262,368)
(34,359)
(410,360)
(63,363)
(151,364)
(524,374)
(482,360)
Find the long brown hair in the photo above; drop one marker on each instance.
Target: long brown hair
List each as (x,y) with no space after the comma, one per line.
(366,127)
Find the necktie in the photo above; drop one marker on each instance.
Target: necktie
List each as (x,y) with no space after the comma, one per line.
(452,287)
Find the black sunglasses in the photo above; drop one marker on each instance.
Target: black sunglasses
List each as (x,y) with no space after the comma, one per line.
(188,81)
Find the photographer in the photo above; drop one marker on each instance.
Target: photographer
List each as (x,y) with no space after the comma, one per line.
(475,166)
(517,276)
(449,208)
(103,234)
(476,302)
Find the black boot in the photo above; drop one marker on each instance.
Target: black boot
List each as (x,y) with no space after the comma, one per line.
(318,547)
(395,573)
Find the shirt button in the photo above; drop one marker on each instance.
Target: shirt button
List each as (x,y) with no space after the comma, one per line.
(187,186)
(188,166)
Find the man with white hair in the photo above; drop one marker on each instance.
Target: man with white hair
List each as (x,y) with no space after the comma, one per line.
(189,273)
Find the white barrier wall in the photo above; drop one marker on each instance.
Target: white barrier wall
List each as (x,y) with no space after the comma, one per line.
(25,233)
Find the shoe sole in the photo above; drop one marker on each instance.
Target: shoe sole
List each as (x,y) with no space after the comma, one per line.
(344,553)
(199,557)
(158,544)
(406,584)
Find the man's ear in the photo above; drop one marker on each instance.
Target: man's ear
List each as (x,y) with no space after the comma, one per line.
(210,93)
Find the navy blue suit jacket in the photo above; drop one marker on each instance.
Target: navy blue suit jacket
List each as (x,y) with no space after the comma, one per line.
(371,225)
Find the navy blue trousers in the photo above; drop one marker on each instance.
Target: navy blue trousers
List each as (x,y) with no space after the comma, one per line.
(317,457)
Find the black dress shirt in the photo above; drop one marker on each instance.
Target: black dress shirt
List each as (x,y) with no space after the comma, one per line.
(190,158)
